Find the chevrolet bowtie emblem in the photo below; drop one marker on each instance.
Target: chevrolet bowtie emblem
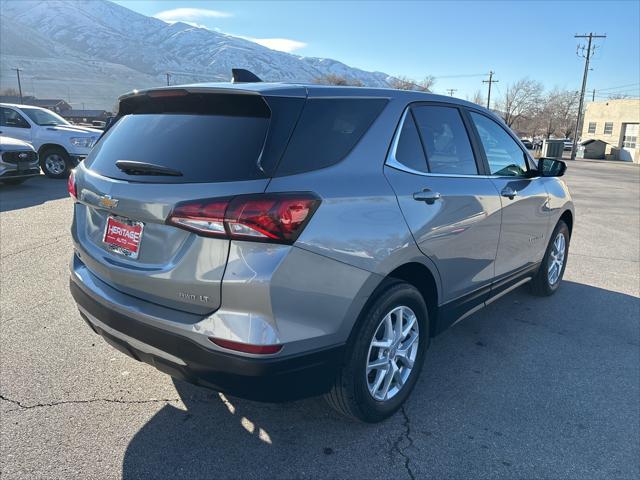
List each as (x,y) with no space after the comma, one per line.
(107,202)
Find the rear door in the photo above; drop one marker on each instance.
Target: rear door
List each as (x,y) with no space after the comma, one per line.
(525,209)
(204,146)
(452,210)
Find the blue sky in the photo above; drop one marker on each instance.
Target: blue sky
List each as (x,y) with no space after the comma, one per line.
(455,41)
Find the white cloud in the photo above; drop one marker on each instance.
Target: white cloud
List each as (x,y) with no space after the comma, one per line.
(190,14)
(280,44)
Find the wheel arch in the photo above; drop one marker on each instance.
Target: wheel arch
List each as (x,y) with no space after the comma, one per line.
(567,217)
(46,146)
(415,273)
(421,277)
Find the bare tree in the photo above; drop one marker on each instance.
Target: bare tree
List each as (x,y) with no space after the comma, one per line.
(546,119)
(477,98)
(333,79)
(10,92)
(567,112)
(618,96)
(405,83)
(556,113)
(520,99)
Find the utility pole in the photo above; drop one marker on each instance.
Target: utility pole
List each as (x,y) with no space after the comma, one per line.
(19,84)
(451,91)
(593,95)
(490,81)
(587,57)
(168,78)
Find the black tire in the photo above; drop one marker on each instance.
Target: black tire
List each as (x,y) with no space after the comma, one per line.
(13,181)
(57,155)
(541,285)
(350,393)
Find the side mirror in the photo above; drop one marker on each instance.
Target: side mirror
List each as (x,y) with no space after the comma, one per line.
(550,167)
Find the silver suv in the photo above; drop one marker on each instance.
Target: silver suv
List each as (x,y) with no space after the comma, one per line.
(278,241)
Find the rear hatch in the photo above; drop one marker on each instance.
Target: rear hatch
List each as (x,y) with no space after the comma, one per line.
(168,147)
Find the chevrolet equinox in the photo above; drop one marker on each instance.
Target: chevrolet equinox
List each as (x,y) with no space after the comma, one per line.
(277,241)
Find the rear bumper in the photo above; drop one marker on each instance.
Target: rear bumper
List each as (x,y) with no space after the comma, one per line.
(270,379)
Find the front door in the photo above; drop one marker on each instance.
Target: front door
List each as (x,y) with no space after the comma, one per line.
(14,125)
(525,211)
(452,211)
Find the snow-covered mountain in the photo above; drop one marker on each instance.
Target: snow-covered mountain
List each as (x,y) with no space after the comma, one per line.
(91,51)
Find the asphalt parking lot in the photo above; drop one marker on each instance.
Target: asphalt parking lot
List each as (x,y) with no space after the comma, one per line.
(526,388)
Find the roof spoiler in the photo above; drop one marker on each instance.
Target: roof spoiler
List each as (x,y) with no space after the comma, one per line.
(240,75)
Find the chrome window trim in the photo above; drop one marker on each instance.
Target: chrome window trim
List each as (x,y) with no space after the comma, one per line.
(393,162)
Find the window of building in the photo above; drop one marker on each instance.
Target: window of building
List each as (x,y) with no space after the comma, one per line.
(592,127)
(608,128)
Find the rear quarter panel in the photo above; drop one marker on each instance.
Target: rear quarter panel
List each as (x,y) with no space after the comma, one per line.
(359,221)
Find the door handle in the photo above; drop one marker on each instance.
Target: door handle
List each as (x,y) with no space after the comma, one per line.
(427,196)
(509,192)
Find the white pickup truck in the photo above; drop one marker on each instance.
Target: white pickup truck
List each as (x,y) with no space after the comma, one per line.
(60,145)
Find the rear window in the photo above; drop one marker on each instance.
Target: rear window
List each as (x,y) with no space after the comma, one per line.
(214,139)
(327,131)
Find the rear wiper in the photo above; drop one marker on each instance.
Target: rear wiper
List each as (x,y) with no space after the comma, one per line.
(132,167)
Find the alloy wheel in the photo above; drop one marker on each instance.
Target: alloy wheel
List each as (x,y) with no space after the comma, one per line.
(392,353)
(556,259)
(55,164)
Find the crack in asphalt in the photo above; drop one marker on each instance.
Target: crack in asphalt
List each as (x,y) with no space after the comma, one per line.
(396,445)
(22,406)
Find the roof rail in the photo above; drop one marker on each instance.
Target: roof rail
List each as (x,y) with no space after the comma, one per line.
(240,75)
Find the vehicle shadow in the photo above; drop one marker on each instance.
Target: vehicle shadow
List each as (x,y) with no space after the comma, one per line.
(33,191)
(482,368)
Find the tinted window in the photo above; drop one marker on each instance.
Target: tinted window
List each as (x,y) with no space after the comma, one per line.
(207,137)
(327,131)
(445,140)
(504,155)
(11,118)
(205,148)
(409,151)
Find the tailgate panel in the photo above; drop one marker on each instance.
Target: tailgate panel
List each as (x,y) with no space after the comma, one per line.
(174,268)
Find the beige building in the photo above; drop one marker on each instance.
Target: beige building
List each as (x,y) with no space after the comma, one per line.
(616,123)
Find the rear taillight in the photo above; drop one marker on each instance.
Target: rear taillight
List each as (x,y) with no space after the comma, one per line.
(269,217)
(71,185)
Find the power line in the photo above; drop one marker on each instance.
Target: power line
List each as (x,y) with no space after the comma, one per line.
(490,81)
(581,51)
(618,87)
(451,91)
(464,75)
